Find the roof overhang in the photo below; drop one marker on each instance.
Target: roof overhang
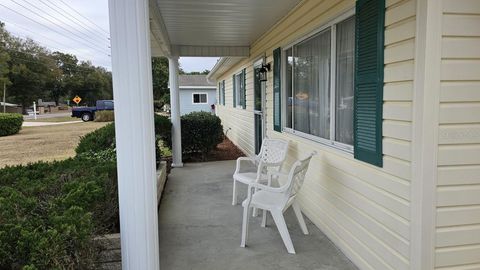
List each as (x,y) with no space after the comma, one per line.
(213,28)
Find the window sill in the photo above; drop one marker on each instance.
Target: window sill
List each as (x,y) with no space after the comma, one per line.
(344,148)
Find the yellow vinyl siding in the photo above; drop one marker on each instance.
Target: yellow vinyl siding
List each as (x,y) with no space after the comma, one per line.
(363,209)
(458,188)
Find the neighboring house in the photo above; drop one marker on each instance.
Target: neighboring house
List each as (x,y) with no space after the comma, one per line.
(10,107)
(196,94)
(386,91)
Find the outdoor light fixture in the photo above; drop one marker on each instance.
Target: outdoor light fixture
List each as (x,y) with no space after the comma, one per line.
(264,71)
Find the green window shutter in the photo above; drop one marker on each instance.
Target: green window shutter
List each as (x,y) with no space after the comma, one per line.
(223,92)
(234,91)
(219,100)
(277,70)
(244,101)
(368,102)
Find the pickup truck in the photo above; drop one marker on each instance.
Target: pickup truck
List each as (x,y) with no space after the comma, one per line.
(88,113)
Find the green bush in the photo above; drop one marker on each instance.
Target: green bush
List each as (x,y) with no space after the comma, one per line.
(100,144)
(98,140)
(10,123)
(50,212)
(201,132)
(163,129)
(104,116)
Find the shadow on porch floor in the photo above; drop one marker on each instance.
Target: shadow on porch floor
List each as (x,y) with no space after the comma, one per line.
(200,229)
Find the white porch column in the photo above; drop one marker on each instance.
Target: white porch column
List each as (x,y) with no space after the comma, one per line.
(135,135)
(175,112)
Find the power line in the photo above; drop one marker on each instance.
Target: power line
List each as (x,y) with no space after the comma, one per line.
(54,8)
(87,38)
(53,29)
(44,36)
(94,43)
(99,27)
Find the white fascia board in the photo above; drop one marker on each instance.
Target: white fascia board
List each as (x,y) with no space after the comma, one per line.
(158,29)
(223,65)
(211,51)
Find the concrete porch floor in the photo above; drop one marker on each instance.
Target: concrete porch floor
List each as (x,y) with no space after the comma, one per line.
(200,229)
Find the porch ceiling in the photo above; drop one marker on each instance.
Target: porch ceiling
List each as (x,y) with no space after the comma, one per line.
(212,27)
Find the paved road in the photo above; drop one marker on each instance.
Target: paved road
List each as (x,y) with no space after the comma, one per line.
(48,115)
(39,124)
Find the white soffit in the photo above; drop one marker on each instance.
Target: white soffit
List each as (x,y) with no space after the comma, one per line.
(220,22)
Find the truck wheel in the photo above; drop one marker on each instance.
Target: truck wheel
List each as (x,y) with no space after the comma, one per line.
(86,117)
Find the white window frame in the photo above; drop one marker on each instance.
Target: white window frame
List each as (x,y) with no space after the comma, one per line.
(333,50)
(199,93)
(238,105)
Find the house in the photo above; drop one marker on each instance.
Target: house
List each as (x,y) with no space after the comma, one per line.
(10,107)
(196,94)
(385,90)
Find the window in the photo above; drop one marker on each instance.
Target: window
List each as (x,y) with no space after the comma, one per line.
(319,83)
(239,89)
(108,105)
(199,98)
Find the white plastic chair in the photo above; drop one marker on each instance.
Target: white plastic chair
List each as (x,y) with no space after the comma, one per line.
(277,200)
(270,159)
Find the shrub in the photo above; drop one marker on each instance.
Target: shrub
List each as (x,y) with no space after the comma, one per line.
(201,132)
(100,145)
(98,140)
(163,129)
(10,123)
(50,213)
(104,116)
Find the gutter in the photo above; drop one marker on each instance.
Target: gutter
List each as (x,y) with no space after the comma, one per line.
(214,70)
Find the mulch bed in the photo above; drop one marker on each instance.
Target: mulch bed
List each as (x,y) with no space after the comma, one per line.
(226,150)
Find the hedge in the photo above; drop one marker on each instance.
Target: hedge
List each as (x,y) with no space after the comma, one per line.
(100,144)
(10,123)
(163,129)
(98,140)
(50,213)
(201,132)
(104,116)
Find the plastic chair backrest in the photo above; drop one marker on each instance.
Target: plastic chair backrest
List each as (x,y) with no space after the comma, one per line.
(297,174)
(273,151)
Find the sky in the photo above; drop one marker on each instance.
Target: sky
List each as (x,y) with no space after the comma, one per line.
(78,27)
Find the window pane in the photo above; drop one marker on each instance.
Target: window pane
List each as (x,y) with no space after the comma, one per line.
(288,87)
(203,98)
(312,85)
(344,81)
(196,98)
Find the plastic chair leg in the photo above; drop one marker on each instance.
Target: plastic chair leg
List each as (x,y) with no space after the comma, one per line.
(264,218)
(246,217)
(283,230)
(255,210)
(298,212)
(234,197)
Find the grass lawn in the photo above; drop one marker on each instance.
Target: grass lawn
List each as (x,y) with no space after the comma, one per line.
(54,119)
(43,143)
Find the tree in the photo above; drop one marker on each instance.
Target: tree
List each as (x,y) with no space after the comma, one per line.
(205,72)
(35,72)
(161,92)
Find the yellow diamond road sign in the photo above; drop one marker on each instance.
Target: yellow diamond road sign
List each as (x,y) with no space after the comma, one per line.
(77,99)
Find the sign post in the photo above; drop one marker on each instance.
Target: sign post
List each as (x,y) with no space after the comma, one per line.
(34,110)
